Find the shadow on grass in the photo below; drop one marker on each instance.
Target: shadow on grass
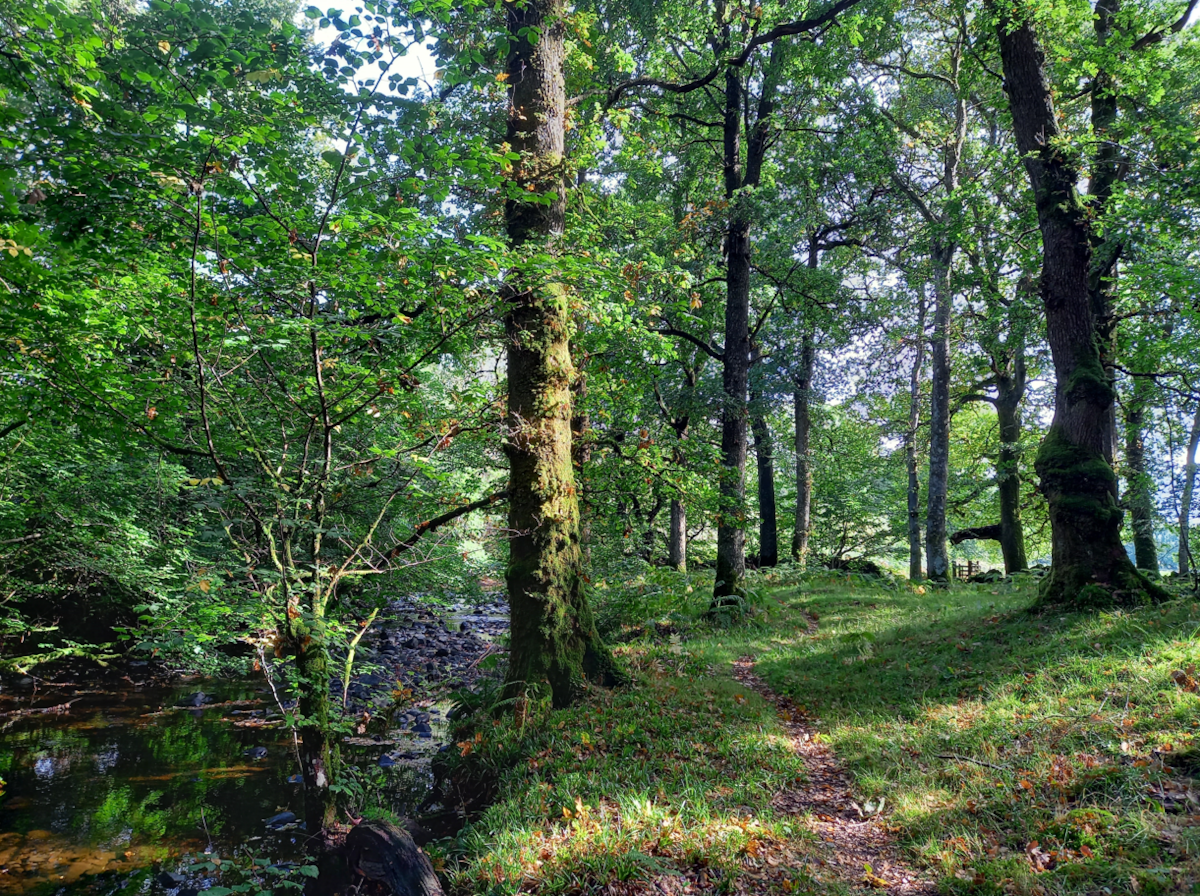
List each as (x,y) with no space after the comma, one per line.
(667,785)
(989,729)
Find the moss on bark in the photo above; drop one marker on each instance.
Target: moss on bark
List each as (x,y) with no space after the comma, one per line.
(1091,569)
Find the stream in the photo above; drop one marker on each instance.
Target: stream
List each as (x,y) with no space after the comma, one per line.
(120,790)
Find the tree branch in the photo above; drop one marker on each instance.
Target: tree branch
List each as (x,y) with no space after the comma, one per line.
(705,347)
(438,521)
(801,26)
(1158,34)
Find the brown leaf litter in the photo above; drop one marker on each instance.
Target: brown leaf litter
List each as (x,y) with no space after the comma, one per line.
(858,848)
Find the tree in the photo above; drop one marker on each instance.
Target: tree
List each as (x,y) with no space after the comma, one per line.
(269,318)
(1090,565)
(1186,561)
(746,130)
(553,633)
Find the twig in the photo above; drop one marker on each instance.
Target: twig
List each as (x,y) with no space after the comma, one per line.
(999,768)
(262,661)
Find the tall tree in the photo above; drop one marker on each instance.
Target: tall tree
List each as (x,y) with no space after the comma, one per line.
(554,636)
(764,455)
(1186,561)
(913,527)
(1090,565)
(802,395)
(945,143)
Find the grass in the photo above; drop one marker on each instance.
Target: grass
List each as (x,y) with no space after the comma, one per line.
(1017,754)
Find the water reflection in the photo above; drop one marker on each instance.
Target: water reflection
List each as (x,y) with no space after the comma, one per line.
(99,798)
(123,789)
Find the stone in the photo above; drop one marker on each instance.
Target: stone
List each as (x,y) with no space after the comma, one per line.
(278,821)
(171,880)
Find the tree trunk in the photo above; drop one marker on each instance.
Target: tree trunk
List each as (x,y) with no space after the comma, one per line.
(764,453)
(553,634)
(318,749)
(735,375)
(915,573)
(735,378)
(1008,481)
(936,551)
(677,540)
(581,453)
(380,852)
(1185,507)
(802,399)
(1090,566)
(1107,170)
(1137,481)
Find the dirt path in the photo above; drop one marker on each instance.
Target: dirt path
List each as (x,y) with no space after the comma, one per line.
(826,803)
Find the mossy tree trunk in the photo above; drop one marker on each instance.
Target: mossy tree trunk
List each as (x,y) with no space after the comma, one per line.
(553,633)
(802,406)
(1090,566)
(1138,482)
(318,746)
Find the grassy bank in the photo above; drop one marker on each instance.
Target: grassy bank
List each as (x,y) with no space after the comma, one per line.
(1015,753)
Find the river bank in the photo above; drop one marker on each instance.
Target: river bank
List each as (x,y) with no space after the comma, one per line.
(129,778)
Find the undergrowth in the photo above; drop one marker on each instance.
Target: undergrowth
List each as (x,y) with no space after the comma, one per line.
(1016,753)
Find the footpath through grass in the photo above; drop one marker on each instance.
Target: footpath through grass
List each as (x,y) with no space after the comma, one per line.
(1015,753)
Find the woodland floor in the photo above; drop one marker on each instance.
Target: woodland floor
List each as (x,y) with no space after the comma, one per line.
(855,738)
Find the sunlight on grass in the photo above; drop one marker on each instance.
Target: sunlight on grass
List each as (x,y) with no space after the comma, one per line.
(1018,754)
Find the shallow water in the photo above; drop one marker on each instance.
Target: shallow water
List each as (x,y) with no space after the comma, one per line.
(122,786)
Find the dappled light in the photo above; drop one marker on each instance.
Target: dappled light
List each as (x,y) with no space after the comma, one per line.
(579,448)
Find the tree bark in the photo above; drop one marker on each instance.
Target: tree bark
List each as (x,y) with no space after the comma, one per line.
(1138,482)
(581,453)
(1185,506)
(802,401)
(1090,566)
(318,749)
(977,533)
(1107,170)
(764,454)
(1008,478)
(553,634)
(380,852)
(936,552)
(735,375)
(915,573)
(677,540)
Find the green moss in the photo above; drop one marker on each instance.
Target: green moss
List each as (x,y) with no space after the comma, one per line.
(1071,467)
(1089,383)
